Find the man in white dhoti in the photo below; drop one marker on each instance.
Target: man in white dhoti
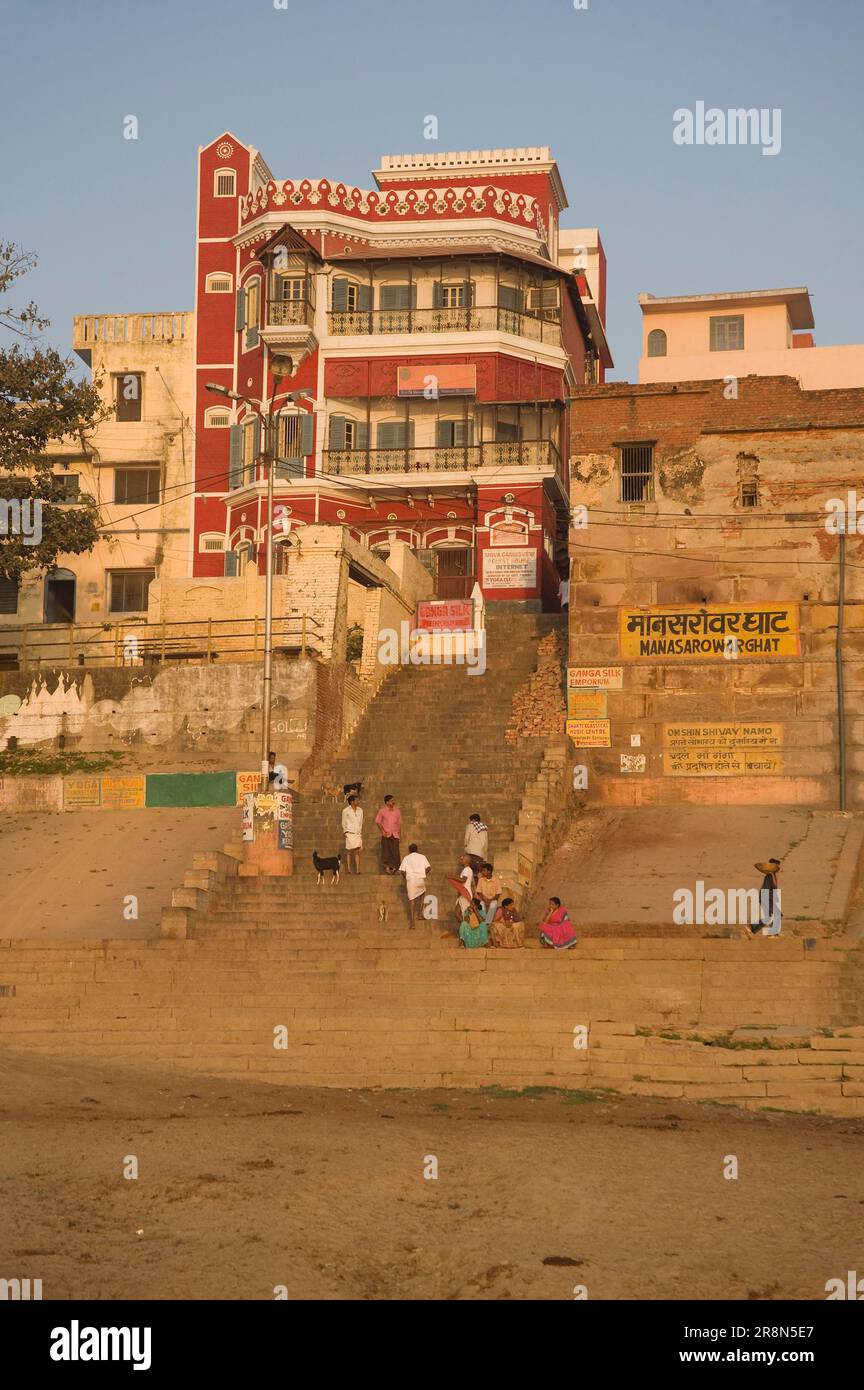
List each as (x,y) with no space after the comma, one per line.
(352,825)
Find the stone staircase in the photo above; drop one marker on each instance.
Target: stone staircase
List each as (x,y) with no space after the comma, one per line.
(434,737)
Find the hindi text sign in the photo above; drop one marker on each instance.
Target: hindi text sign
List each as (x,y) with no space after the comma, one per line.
(711,632)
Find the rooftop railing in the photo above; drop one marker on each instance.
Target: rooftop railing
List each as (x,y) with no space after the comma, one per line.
(89,329)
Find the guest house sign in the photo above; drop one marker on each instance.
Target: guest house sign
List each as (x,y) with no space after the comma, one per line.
(706,633)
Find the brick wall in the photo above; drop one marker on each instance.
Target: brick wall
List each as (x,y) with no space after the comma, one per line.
(695,543)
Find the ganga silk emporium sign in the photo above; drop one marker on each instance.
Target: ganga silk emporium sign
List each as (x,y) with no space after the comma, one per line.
(726,629)
(453,615)
(722,750)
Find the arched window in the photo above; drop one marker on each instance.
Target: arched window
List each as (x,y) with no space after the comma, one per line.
(281,554)
(224,183)
(210,541)
(657,343)
(217,418)
(219,282)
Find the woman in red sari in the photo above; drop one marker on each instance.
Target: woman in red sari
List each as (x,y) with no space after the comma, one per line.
(556,929)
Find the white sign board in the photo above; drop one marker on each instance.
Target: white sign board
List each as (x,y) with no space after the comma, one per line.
(509,568)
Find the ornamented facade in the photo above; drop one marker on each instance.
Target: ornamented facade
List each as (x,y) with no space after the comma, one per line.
(439,326)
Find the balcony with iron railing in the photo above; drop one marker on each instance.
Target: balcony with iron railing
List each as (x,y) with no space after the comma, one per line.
(289,323)
(282,313)
(458,458)
(543,328)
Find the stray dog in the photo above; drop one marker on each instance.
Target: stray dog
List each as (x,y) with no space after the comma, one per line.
(329,791)
(352,788)
(322,866)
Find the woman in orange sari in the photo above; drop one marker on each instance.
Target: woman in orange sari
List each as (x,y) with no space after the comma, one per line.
(507,929)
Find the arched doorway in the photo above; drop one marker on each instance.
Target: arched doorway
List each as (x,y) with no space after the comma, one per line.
(60,597)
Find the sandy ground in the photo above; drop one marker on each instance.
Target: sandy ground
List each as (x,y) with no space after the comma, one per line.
(243,1187)
(624,865)
(68,875)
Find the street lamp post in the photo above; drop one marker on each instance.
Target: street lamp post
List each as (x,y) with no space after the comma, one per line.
(268,420)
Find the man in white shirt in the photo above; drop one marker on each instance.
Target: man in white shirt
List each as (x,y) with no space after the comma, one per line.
(415,866)
(467,877)
(564,593)
(352,826)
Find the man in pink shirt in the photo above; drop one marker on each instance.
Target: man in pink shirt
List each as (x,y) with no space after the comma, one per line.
(389,822)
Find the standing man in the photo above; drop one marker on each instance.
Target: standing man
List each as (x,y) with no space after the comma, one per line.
(415,866)
(476,843)
(389,822)
(352,825)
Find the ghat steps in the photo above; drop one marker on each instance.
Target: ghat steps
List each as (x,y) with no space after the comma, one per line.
(375,1007)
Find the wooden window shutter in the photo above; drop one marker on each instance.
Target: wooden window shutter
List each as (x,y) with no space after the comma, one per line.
(337,431)
(235,456)
(307,427)
(240,313)
(340,294)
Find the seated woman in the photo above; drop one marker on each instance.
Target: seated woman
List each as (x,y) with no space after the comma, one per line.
(556,929)
(474,927)
(507,927)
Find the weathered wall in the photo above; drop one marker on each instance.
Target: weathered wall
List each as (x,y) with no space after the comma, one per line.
(322,564)
(209,708)
(696,546)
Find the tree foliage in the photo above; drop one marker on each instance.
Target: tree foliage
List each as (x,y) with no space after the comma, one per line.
(41,403)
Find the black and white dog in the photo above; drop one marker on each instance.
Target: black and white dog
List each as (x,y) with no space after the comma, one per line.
(323,865)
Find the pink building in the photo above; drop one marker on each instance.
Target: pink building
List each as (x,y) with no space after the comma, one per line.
(705,337)
(439,327)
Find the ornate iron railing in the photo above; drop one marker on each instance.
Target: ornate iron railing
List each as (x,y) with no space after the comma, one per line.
(435,459)
(491,318)
(284,313)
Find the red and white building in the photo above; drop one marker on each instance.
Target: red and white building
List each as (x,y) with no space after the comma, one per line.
(440,324)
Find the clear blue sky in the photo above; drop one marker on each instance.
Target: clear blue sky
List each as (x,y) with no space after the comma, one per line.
(325,87)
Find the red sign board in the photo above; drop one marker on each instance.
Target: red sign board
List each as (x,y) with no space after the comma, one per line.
(438,379)
(455,615)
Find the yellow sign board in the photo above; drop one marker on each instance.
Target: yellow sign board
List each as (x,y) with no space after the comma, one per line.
(717,630)
(247,782)
(123,793)
(722,750)
(600,677)
(586,704)
(590,733)
(81,792)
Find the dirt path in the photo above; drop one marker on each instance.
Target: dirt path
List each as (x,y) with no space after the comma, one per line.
(69,875)
(244,1187)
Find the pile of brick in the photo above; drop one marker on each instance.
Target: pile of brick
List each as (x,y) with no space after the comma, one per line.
(538,706)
